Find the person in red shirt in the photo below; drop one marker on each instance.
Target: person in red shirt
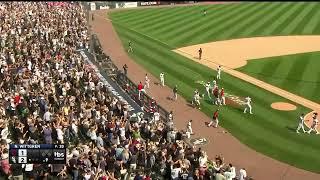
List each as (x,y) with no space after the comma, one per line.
(17,99)
(216,96)
(215,119)
(140,88)
(222,98)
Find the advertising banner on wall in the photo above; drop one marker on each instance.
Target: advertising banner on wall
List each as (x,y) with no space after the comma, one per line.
(149,3)
(130,4)
(104,7)
(92,6)
(126,4)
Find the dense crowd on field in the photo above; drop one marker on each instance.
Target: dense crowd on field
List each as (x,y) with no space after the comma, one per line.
(48,95)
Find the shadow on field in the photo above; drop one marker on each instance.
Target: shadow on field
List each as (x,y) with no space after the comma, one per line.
(190,105)
(291,128)
(238,109)
(209,101)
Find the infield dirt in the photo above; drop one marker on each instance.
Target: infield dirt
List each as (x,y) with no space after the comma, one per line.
(282,106)
(231,54)
(308,119)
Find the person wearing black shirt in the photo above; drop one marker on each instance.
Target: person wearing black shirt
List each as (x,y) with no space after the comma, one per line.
(197,154)
(17,172)
(73,164)
(125,69)
(179,136)
(200,53)
(175,92)
(56,169)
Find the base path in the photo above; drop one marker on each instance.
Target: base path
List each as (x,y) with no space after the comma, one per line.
(258,165)
(235,53)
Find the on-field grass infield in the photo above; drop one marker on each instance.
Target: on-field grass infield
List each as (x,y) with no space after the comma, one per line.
(297,73)
(155,32)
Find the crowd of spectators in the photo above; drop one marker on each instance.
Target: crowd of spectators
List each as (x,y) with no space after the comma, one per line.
(48,95)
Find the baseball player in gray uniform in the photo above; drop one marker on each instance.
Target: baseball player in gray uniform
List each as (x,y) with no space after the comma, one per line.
(301,124)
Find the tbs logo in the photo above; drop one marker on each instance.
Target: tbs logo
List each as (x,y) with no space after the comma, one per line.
(58,154)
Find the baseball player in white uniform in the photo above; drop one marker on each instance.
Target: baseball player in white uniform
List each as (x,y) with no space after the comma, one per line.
(189,127)
(208,89)
(315,123)
(301,124)
(147,81)
(214,83)
(219,72)
(242,174)
(196,99)
(248,105)
(162,79)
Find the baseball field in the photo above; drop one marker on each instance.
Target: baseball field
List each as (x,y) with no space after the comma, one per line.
(167,40)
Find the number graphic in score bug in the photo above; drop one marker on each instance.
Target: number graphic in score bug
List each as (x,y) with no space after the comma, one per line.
(22,156)
(38,154)
(59,146)
(22,152)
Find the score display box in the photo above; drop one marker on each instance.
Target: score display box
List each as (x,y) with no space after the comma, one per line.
(37,154)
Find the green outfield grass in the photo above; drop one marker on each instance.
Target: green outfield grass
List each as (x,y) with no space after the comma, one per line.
(298,73)
(155,32)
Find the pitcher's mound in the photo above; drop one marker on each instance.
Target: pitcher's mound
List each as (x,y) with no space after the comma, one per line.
(282,106)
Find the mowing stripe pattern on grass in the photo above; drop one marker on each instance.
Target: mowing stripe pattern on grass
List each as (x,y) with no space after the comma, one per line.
(268,131)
